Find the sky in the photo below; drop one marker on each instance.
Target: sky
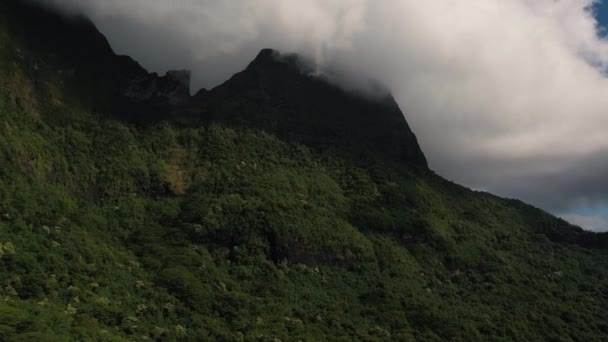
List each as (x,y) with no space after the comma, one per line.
(601,15)
(505,96)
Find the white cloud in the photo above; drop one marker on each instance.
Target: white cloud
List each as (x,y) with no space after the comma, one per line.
(500,92)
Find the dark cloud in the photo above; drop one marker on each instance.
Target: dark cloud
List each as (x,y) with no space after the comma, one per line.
(505,96)
(581,183)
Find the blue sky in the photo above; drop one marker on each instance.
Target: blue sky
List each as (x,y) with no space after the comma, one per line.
(601,11)
(593,217)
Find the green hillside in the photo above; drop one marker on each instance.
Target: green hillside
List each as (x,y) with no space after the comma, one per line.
(254,211)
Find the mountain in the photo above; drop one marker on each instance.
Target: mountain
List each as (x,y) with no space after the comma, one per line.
(280,94)
(276,206)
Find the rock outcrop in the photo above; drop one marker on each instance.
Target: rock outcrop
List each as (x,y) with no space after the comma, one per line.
(281,94)
(172,89)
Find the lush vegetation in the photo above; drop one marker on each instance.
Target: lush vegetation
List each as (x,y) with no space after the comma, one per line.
(111,231)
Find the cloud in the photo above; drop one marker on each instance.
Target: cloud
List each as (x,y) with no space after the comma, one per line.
(508,96)
(217,38)
(593,223)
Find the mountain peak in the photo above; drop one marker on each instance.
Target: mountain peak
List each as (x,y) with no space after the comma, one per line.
(266,55)
(271,59)
(280,93)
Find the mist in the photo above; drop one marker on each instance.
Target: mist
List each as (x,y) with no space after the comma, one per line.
(505,96)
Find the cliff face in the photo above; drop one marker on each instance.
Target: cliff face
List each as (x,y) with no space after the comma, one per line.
(280,94)
(168,92)
(79,57)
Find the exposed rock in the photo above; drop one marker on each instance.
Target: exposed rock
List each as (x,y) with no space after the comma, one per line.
(172,89)
(280,94)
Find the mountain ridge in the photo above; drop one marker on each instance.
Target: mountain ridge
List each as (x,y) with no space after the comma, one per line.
(270,81)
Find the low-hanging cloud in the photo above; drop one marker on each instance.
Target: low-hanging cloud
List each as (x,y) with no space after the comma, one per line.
(505,96)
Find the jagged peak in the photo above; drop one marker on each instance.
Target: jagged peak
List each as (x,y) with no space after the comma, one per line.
(266,54)
(181,76)
(268,59)
(282,94)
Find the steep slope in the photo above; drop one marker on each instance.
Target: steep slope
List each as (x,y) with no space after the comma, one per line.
(280,94)
(254,211)
(82,69)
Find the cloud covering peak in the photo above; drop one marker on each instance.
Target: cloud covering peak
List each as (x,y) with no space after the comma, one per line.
(507,96)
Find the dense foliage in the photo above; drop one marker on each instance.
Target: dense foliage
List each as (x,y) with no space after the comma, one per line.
(111,231)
